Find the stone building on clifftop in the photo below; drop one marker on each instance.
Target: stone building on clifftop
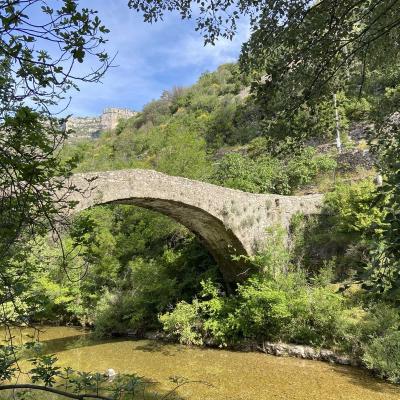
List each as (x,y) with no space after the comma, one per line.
(91,127)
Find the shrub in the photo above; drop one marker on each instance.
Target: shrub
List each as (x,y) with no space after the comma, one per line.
(239,172)
(383,356)
(275,258)
(267,174)
(285,308)
(184,322)
(263,310)
(303,168)
(357,109)
(353,208)
(109,314)
(380,319)
(316,317)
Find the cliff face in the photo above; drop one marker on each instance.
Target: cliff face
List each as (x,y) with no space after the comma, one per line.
(91,127)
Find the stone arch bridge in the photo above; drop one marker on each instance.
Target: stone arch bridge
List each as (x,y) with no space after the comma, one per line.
(228,222)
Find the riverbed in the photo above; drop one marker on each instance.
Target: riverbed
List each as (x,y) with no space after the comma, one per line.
(232,375)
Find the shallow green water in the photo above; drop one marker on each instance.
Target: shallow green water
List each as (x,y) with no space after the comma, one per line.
(234,375)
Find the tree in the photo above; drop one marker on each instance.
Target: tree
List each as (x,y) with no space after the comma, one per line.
(299,52)
(295,46)
(39,48)
(386,260)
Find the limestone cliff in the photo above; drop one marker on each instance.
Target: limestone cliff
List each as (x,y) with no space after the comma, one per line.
(91,127)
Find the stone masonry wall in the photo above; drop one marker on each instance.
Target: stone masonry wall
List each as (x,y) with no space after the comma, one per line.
(229,222)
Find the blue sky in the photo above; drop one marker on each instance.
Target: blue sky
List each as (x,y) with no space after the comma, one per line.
(150,59)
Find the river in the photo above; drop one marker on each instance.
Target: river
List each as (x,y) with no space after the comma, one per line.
(233,375)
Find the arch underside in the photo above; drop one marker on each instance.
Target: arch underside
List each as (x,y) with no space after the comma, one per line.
(219,240)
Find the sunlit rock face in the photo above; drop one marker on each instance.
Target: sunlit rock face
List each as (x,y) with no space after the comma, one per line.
(91,127)
(229,222)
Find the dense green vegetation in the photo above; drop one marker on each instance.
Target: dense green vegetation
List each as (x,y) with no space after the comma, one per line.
(122,269)
(120,250)
(133,270)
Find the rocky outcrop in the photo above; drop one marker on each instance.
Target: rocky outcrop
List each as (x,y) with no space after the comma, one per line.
(351,160)
(91,127)
(306,352)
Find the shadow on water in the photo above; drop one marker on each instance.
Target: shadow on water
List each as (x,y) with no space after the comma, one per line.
(365,379)
(153,346)
(56,345)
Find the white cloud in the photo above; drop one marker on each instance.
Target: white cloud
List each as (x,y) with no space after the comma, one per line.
(150,58)
(190,50)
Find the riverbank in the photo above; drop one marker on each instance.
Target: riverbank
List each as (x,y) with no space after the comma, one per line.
(278,349)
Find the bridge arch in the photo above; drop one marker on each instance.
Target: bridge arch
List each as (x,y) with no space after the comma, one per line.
(228,222)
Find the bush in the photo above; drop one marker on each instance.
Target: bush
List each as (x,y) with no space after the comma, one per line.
(286,308)
(357,109)
(239,172)
(275,259)
(305,167)
(353,207)
(316,317)
(379,320)
(184,322)
(263,310)
(109,314)
(267,174)
(383,356)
